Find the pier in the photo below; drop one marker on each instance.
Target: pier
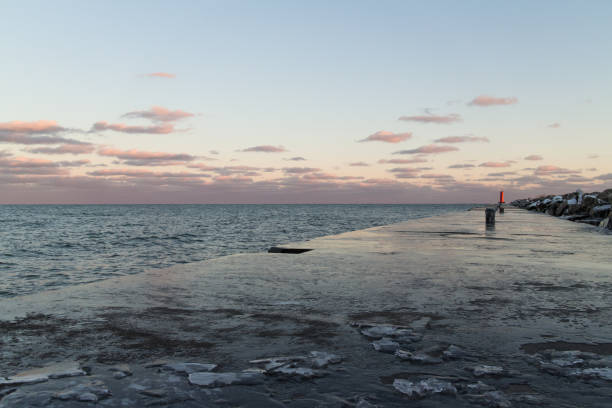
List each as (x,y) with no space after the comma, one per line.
(519,315)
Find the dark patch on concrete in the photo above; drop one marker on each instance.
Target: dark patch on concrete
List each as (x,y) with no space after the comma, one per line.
(491,301)
(598,348)
(34,323)
(281,250)
(317,331)
(393,317)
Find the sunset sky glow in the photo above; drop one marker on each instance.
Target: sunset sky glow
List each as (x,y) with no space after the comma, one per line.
(303,102)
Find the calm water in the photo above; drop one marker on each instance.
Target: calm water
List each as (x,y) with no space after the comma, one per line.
(45,247)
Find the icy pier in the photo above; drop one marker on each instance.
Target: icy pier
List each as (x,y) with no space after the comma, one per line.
(435,312)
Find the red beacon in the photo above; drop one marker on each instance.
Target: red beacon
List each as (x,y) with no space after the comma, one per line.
(501,197)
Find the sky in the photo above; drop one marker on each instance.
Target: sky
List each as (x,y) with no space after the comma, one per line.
(303,101)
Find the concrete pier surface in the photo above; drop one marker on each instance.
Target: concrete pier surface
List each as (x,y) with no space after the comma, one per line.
(435,312)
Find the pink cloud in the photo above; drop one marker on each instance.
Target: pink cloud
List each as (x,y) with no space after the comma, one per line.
(328,177)
(431,118)
(65,149)
(461,166)
(142,158)
(387,137)
(462,139)
(119,172)
(534,157)
(404,172)
(554,125)
(162,129)
(266,149)
(438,176)
(359,164)
(403,161)
(300,170)
(161,75)
(501,174)
(495,164)
(29,166)
(31,133)
(553,170)
(201,166)
(39,126)
(159,114)
(429,149)
(486,100)
(233,179)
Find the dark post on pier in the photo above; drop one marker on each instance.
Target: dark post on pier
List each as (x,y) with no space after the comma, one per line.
(490,216)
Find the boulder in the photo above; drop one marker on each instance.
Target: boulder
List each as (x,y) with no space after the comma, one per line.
(606,195)
(561,208)
(600,210)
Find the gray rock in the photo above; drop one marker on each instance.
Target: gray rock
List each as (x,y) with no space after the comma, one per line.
(121,371)
(157,363)
(189,368)
(600,210)
(604,373)
(424,388)
(550,368)
(532,399)
(496,399)
(420,324)
(453,352)
(272,363)
(301,372)
(479,387)
(567,362)
(6,391)
(397,333)
(156,393)
(417,357)
(87,397)
(23,379)
(363,403)
(224,379)
(321,359)
(88,392)
(487,370)
(59,370)
(385,345)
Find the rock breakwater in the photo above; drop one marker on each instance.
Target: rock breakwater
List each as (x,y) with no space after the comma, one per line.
(592,208)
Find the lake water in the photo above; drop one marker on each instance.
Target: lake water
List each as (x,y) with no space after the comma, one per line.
(49,246)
